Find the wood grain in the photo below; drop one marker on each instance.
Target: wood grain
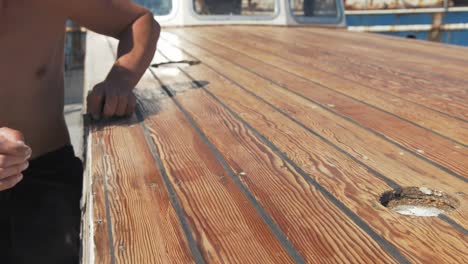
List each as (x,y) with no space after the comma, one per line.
(376,153)
(420,116)
(138,199)
(420,142)
(96,240)
(337,173)
(406,46)
(222,245)
(415,72)
(319,230)
(129,197)
(326,151)
(226,226)
(362,81)
(96,252)
(218,239)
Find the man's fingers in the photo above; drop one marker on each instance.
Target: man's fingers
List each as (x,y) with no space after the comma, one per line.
(95,101)
(11,134)
(11,160)
(13,170)
(122,106)
(110,106)
(10,182)
(17,148)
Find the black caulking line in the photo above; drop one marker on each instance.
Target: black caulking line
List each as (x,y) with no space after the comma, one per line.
(172,194)
(447,170)
(106,197)
(188,62)
(454,224)
(292,251)
(288,246)
(385,92)
(355,218)
(387,180)
(352,98)
(197,256)
(435,55)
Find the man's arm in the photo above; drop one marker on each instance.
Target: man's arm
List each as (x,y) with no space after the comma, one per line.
(137,33)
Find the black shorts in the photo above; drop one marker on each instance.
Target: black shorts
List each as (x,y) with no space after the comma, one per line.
(40,216)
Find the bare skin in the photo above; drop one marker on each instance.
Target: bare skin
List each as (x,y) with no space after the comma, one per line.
(31,71)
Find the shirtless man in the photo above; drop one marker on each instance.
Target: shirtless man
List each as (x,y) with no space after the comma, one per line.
(40,178)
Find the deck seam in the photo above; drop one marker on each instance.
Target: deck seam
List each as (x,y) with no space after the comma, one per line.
(454,224)
(394,252)
(417,52)
(382,136)
(382,91)
(326,87)
(282,238)
(198,258)
(377,174)
(343,207)
(392,71)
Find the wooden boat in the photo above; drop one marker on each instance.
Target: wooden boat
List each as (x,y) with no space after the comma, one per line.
(270,144)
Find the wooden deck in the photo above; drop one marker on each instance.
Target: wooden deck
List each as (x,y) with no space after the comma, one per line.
(276,149)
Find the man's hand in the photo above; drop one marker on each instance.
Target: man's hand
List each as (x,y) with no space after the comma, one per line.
(109,100)
(14,155)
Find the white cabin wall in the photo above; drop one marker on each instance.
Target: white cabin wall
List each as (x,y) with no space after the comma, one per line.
(184,15)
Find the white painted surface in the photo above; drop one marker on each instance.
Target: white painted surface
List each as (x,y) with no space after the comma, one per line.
(418,210)
(73,108)
(403,28)
(183,14)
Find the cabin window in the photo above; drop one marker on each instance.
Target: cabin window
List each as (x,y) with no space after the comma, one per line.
(157,7)
(235,7)
(314,8)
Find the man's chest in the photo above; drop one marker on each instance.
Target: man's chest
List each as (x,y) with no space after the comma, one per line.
(30,36)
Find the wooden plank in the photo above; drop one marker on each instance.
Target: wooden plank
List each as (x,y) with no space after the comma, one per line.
(95,220)
(416,140)
(96,240)
(200,194)
(145,226)
(423,51)
(440,51)
(226,226)
(358,77)
(415,72)
(435,148)
(441,124)
(133,219)
(337,173)
(374,152)
(318,229)
(423,58)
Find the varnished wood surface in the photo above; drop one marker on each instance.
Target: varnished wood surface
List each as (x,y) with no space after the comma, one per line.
(276,148)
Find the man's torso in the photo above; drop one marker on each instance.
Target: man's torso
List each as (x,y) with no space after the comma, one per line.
(31,73)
